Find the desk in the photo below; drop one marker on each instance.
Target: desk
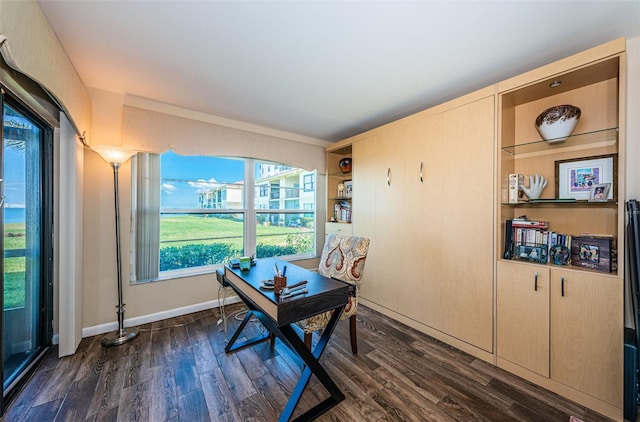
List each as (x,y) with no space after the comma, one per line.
(279,316)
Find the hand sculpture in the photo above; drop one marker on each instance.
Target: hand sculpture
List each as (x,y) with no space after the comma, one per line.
(536,186)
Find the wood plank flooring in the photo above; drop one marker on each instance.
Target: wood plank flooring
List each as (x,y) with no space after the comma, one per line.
(177,370)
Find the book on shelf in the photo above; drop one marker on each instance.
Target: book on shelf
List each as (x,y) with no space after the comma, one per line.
(342,212)
(532,243)
(522,222)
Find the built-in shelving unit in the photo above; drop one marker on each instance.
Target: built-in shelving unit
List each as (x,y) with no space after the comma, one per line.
(561,326)
(338,206)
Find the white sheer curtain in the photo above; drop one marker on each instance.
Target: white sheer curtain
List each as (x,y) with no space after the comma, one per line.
(69,237)
(145,227)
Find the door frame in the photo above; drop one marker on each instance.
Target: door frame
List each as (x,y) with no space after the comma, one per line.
(46,247)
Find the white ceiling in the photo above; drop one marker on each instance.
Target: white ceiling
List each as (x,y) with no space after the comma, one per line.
(322,69)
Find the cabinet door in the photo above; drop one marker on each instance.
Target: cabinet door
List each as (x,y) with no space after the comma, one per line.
(587,333)
(363,223)
(462,191)
(523,315)
(390,205)
(422,219)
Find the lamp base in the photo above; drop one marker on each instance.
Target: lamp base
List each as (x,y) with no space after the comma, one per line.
(119,337)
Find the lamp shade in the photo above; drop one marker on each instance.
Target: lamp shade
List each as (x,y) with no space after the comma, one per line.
(114,154)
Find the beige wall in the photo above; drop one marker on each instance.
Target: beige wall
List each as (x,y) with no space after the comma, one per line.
(32,48)
(100,293)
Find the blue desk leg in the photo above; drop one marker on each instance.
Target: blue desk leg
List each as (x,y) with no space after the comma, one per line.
(312,366)
(232,347)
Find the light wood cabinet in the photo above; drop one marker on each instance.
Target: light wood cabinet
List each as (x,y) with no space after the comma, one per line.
(421,174)
(430,193)
(586,343)
(568,334)
(522,329)
(563,325)
(338,228)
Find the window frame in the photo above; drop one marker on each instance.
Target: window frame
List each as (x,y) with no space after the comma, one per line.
(249,211)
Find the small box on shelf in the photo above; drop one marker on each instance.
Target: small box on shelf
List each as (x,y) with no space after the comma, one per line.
(593,252)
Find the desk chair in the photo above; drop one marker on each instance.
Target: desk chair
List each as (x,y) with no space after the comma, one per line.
(343,258)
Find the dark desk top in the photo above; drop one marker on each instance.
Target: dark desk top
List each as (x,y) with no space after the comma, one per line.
(324,293)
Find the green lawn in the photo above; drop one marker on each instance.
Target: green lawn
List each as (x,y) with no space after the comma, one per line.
(175,231)
(195,240)
(14,267)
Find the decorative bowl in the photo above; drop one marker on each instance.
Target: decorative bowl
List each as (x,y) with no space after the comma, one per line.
(555,124)
(345,165)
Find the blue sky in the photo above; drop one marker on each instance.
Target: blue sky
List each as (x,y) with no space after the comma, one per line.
(183,177)
(14,175)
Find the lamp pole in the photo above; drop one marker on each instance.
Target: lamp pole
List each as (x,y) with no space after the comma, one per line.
(116,157)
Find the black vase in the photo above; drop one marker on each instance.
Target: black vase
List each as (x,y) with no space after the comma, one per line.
(345,165)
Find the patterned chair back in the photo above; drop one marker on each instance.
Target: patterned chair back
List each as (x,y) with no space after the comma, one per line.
(343,257)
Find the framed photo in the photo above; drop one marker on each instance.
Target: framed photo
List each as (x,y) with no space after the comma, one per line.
(591,252)
(600,192)
(576,177)
(531,252)
(348,188)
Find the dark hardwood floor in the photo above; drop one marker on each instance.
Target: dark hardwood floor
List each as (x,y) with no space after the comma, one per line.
(177,371)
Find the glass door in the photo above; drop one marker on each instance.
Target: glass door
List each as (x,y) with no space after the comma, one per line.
(25,225)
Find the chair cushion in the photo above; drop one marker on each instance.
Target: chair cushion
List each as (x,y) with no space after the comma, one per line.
(343,257)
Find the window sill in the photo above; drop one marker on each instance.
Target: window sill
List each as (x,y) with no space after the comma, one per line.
(210,270)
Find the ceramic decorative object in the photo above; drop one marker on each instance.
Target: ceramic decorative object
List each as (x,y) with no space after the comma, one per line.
(536,186)
(555,124)
(345,165)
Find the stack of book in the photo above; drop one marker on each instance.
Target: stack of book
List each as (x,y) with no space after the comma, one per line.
(342,212)
(532,240)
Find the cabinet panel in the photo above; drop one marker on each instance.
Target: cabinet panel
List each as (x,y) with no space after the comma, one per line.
(422,218)
(390,204)
(419,229)
(587,333)
(465,202)
(364,218)
(523,316)
(338,228)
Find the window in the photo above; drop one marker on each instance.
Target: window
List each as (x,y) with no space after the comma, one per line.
(284,224)
(207,216)
(309,182)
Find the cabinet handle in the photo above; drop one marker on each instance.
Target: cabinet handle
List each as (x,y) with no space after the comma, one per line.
(389,176)
(535,281)
(421,167)
(562,286)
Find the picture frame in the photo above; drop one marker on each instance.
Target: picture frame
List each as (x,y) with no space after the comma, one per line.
(599,192)
(531,252)
(575,177)
(592,252)
(348,188)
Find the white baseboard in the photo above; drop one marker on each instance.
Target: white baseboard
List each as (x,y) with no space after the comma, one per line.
(158,316)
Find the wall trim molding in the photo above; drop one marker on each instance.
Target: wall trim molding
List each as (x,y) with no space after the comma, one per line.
(157,316)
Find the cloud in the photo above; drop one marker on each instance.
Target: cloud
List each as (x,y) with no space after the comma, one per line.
(203,185)
(168,188)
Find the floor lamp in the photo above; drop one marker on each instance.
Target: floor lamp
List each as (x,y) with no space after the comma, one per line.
(116,157)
